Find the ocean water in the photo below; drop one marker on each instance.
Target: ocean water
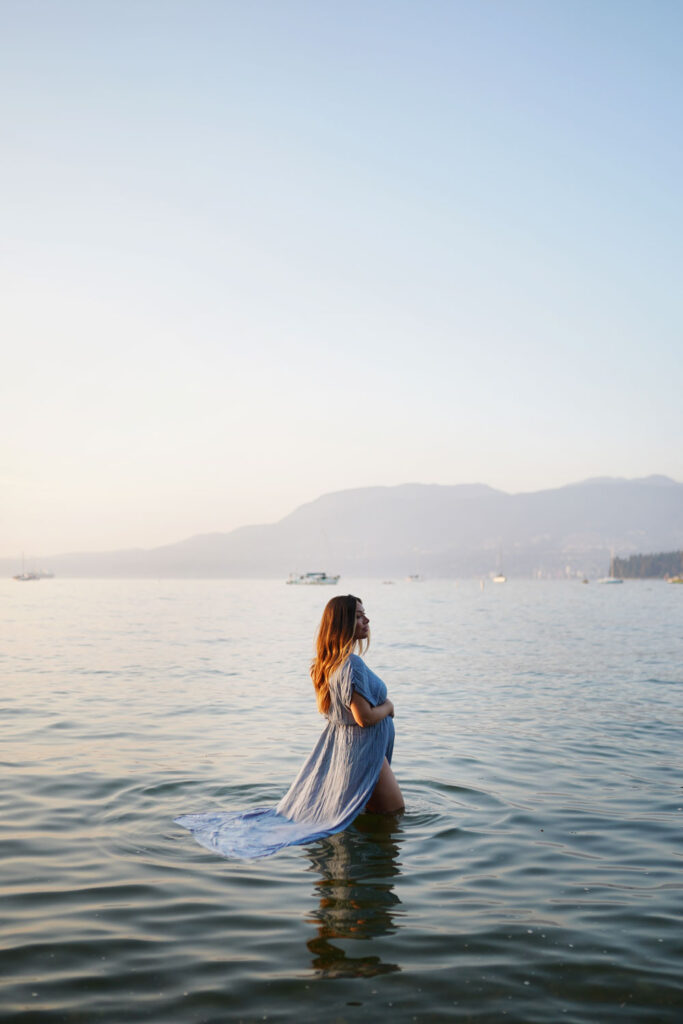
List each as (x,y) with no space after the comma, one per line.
(535,876)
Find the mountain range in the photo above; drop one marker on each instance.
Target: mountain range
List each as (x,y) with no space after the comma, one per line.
(431,529)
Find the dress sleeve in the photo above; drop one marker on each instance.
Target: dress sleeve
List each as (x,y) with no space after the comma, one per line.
(355,677)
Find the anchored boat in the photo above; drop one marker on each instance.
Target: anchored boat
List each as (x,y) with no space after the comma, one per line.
(312,579)
(611,578)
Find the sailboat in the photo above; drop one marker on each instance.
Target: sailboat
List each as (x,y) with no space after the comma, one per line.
(24,576)
(500,576)
(611,578)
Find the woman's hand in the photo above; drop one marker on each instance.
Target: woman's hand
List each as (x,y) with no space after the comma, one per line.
(391,706)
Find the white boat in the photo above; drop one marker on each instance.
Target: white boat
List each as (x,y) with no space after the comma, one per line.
(499,576)
(24,576)
(611,578)
(312,579)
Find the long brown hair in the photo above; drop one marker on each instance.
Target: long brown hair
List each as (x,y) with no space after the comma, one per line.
(334,644)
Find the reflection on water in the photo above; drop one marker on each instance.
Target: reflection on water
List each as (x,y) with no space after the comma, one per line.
(356,895)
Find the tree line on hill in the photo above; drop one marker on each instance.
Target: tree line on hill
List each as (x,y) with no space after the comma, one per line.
(658,566)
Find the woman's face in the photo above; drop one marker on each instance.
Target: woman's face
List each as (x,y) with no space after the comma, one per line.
(362,623)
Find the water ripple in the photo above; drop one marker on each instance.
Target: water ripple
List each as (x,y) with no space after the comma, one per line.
(535,876)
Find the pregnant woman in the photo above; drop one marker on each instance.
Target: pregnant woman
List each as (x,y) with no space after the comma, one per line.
(350,767)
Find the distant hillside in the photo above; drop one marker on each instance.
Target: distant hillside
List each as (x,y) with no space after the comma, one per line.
(433,530)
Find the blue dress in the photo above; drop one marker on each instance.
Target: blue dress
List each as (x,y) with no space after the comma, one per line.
(333,786)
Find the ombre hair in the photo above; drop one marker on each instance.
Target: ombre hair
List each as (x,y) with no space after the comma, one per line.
(334,644)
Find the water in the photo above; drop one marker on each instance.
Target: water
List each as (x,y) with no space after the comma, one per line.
(536,876)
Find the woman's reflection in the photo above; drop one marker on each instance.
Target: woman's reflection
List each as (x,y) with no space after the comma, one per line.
(357,899)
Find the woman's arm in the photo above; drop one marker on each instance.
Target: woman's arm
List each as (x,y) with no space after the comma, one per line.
(365,714)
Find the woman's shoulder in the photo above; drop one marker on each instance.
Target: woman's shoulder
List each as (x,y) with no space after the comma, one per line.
(356,667)
(351,675)
(362,679)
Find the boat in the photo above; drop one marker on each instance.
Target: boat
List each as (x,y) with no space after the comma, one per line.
(24,576)
(499,576)
(312,579)
(611,578)
(675,579)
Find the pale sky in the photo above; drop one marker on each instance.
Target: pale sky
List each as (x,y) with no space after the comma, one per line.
(256,251)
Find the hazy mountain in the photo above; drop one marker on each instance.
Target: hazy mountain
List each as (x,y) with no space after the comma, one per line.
(435,530)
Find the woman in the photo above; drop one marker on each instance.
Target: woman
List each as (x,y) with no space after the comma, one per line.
(348,770)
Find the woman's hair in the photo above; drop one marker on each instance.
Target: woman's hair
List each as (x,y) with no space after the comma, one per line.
(334,644)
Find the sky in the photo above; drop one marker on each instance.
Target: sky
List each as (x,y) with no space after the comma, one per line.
(253,252)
